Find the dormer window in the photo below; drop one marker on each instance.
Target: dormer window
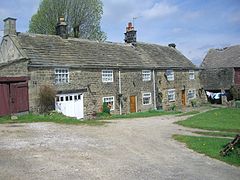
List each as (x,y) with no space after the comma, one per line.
(107,75)
(170,75)
(191,74)
(146,75)
(61,75)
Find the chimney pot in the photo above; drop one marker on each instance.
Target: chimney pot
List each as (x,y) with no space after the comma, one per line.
(173,45)
(10,26)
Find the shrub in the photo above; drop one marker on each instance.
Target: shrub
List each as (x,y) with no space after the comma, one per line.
(193,102)
(105,108)
(46,99)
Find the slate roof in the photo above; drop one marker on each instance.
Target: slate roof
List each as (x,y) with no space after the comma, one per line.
(51,50)
(226,57)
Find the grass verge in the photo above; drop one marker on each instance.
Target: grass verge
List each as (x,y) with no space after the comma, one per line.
(224,119)
(150,113)
(210,147)
(219,134)
(52,117)
(189,113)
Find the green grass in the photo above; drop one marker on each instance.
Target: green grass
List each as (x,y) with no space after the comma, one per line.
(210,147)
(219,134)
(52,117)
(189,113)
(224,119)
(150,113)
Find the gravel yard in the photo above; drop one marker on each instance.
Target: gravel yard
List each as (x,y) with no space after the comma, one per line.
(122,149)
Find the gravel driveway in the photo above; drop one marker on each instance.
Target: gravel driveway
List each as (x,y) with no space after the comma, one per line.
(124,149)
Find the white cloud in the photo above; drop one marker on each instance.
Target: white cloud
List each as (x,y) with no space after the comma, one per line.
(159,10)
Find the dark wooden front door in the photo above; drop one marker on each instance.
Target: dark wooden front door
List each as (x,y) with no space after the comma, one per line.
(183,98)
(19,97)
(132,104)
(4,100)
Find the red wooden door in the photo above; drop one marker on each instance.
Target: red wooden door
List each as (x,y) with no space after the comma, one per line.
(19,97)
(4,100)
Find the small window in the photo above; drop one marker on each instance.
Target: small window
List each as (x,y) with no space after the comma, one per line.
(109,101)
(57,98)
(79,96)
(66,98)
(171,95)
(70,98)
(146,98)
(191,74)
(107,76)
(146,75)
(75,97)
(61,75)
(191,94)
(61,98)
(170,75)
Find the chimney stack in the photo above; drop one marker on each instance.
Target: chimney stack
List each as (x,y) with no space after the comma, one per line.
(131,34)
(9,26)
(61,28)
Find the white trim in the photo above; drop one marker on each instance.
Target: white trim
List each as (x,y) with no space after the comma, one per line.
(109,97)
(170,74)
(191,74)
(171,92)
(191,91)
(61,75)
(107,76)
(147,95)
(146,75)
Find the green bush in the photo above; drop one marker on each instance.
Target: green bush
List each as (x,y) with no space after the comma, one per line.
(105,108)
(46,99)
(193,102)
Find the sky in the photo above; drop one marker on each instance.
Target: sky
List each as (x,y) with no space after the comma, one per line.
(195,26)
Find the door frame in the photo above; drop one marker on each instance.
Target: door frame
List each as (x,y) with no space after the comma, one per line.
(183,97)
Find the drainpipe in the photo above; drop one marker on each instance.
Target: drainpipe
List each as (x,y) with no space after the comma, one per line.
(120,91)
(154,91)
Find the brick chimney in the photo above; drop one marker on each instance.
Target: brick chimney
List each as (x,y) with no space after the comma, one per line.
(9,26)
(61,28)
(131,34)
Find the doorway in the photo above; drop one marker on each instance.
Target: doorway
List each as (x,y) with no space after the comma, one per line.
(132,104)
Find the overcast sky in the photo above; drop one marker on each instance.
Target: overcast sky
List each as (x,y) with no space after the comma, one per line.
(194,26)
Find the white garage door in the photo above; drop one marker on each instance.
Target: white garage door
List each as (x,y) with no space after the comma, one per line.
(70,105)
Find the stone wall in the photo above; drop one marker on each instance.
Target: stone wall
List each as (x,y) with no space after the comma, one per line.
(14,69)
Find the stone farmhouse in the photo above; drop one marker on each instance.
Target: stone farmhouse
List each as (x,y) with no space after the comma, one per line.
(130,76)
(221,72)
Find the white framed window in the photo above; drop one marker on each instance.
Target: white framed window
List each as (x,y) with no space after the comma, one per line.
(147,98)
(61,75)
(171,95)
(191,74)
(146,75)
(110,102)
(191,94)
(170,75)
(107,75)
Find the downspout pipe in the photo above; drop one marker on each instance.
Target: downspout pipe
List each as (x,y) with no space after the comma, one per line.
(154,91)
(120,91)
